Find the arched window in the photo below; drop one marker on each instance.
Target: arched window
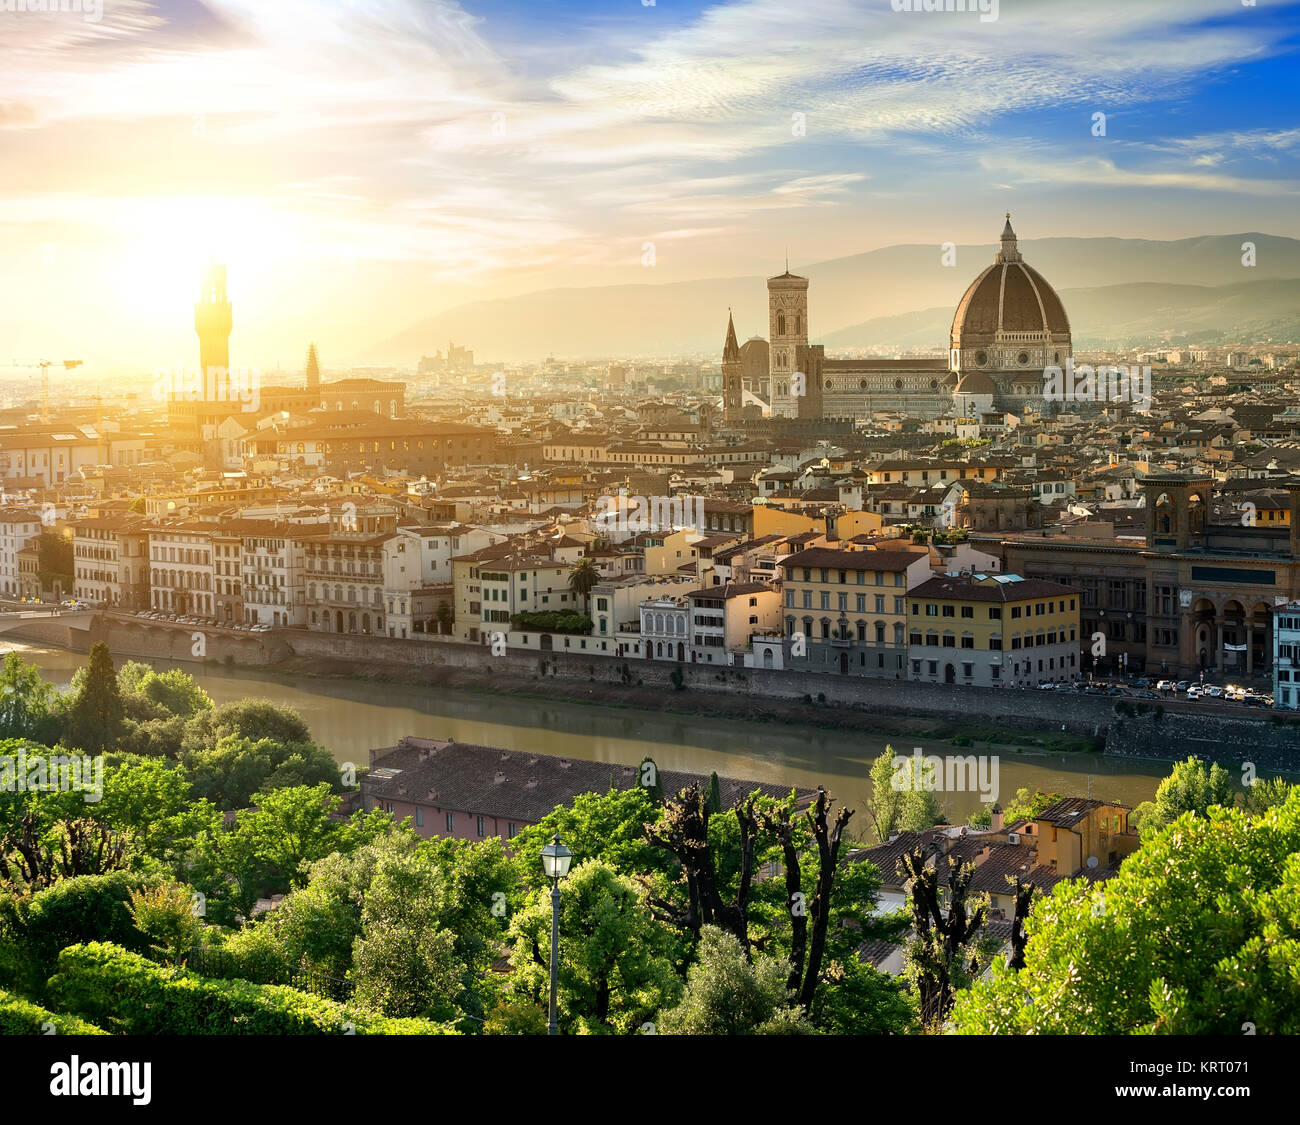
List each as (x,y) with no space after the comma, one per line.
(780,324)
(797,324)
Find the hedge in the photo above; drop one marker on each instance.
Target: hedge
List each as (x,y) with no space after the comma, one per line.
(85,908)
(128,993)
(22,1017)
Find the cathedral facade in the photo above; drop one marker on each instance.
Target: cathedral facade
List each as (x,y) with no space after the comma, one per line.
(1008,326)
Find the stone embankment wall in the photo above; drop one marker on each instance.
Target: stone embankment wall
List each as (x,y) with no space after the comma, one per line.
(1271,742)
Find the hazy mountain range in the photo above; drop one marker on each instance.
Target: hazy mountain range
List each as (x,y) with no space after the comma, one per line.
(1117,292)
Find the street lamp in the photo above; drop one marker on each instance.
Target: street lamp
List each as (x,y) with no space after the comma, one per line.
(555,862)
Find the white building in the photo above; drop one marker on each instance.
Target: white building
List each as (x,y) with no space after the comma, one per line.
(18,528)
(665,628)
(180,569)
(271,578)
(1286,656)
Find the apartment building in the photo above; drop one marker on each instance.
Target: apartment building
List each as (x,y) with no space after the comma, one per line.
(271,575)
(992,630)
(847,609)
(228,558)
(18,528)
(525,583)
(1286,656)
(180,568)
(111,564)
(723,619)
(344,569)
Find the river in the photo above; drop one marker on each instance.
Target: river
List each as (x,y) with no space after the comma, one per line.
(351,716)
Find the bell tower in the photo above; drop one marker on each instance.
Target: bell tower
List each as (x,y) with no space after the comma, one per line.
(212,319)
(733,383)
(787,313)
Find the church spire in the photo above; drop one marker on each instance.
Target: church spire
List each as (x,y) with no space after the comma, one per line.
(731,349)
(313,369)
(1009,252)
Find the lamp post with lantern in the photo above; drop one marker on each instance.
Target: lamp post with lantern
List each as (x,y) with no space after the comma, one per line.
(556,859)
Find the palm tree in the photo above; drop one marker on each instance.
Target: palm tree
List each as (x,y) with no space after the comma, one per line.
(583,577)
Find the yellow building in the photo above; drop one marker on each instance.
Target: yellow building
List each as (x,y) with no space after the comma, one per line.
(992,630)
(1077,834)
(928,472)
(773,519)
(846,610)
(668,552)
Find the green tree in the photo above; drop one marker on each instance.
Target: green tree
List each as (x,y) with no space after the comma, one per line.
(728,994)
(237,769)
(405,958)
(165,915)
(253,719)
(176,692)
(1257,799)
(610,827)
(26,700)
(583,578)
(1192,787)
(615,973)
(902,796)
(1027,806)
(1198,933)
(714,795)
(96,720)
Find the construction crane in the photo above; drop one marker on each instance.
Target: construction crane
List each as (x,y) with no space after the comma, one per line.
(45,365)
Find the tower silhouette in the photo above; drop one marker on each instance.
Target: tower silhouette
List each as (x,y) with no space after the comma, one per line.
(313,369)
(212,320)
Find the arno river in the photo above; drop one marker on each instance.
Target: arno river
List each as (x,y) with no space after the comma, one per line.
(351,716)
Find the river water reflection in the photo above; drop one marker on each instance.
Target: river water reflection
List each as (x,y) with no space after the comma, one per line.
(351,716)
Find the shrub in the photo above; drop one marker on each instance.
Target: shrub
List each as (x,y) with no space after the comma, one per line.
(22,1017)
(84,908)
(124,991)
(551,622)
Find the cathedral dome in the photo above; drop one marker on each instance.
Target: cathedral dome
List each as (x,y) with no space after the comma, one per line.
(976,383)
(1009,302)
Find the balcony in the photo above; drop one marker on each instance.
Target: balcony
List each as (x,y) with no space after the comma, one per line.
(842,642)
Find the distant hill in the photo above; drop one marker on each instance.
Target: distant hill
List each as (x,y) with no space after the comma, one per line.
(1121,316)
(879,293)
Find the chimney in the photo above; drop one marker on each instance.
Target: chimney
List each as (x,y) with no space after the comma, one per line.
(997,818)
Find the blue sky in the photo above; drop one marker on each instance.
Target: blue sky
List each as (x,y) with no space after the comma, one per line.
(361,163)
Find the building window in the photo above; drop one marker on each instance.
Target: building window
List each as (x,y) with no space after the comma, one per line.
(419,816)
(451,822)
(482,827)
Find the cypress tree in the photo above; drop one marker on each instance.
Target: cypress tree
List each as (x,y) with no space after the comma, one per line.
(714,798)
(96,720)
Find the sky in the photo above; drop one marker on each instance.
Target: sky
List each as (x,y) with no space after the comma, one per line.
(360,164)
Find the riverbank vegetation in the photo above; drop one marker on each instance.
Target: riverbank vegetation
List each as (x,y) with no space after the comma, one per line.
(216,885)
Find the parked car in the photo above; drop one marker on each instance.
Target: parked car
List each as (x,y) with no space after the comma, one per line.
(1166,685)
(1194,692)
(1141,683)
(1183,685)
(1146,695)
(1213,692)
